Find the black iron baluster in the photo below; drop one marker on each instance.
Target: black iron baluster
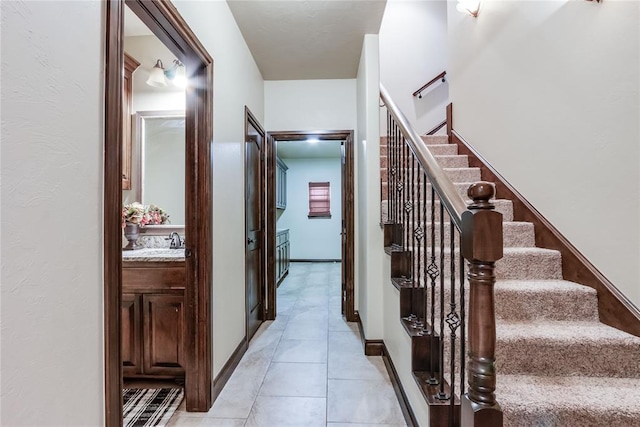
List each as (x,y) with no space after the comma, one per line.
(453,320)
(433,274)
(441,394)
(463,328)
(389,205)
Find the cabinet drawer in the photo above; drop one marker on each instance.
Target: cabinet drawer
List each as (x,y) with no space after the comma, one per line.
(153,277)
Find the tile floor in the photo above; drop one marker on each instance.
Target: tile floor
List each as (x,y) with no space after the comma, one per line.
(306,368)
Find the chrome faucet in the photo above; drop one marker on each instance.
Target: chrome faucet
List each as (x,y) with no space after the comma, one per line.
(175,241)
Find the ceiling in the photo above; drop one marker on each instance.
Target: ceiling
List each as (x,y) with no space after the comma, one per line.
(309,150)
(307,39)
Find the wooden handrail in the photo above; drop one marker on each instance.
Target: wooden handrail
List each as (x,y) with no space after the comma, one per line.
(437,128)
(450,197)
(432,81)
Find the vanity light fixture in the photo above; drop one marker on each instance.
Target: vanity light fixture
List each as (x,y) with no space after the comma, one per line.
(176,74)
(470,7)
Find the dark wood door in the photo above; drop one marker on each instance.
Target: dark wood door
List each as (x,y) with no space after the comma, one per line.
(130,335)
(163,334)
(254,211)
(343,230)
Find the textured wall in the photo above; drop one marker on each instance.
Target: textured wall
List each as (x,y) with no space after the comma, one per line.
(310,104)
(413,50)
(549,93)
(51,209)
(369,236)
(237,82)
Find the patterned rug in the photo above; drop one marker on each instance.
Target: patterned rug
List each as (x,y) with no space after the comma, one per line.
(149,407)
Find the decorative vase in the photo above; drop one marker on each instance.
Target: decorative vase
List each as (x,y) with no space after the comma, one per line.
(132,232)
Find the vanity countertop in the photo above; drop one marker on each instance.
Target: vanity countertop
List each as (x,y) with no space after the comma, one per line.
(281,230)
(154,255)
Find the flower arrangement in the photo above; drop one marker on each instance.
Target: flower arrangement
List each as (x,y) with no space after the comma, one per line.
(137,213)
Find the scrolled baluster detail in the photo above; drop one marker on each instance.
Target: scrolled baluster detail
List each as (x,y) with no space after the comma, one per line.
(481,243)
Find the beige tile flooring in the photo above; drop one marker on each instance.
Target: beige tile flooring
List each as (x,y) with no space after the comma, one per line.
(306,368)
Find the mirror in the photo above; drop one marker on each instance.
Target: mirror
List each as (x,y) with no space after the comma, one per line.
(160,145)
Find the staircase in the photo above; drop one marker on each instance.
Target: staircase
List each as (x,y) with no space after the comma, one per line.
(556,364)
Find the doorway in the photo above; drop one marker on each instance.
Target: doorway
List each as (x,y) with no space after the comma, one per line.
(347,215)
(162,18)
(254,221)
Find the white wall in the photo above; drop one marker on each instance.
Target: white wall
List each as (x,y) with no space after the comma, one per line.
(237,82)
(312,238)
(51,208)
(549,93)
(369,279)
(413,50)
(310,104)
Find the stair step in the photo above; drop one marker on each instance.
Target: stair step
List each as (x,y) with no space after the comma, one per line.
(530,300)
(566,349)
(463,174)
(435,139)
(505,207)
(443,149)
(516,264)
(569,401)
(529,264)
(514,234)
(453,161)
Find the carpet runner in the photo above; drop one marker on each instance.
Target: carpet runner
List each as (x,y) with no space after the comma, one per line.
(149,407)
(557,365)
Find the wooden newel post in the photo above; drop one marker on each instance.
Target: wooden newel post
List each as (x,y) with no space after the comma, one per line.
(481,246)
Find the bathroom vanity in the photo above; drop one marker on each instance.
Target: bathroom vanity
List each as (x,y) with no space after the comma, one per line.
(153,318)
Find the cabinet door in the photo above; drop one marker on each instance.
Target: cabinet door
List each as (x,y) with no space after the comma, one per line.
(163,334)
(130,335)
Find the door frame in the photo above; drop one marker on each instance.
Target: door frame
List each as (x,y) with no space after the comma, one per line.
(348,192)
(165,22)
(249,118)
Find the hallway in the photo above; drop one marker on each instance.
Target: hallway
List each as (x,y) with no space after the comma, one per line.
(306,368)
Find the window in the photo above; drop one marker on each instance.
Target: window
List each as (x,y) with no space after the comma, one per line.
(319,200)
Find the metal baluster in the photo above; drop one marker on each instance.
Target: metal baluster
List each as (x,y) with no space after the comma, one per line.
(389,203)
(412,211)
(453,320)
(433,274)
(441,394)
(463,328)
(405,192)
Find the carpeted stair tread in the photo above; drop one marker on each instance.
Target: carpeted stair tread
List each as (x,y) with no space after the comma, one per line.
(504,206)
(453,161)
(530,300)
(569,401)
(435,139)
(443,149)
(566,348)
(529,264)
(463,174)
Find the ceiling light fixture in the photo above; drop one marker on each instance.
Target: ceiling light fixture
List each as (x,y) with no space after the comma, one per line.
(312,140)
(176,74)
(470,7)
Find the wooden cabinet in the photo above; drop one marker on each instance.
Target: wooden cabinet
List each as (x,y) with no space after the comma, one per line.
(281,184)
(153,319)
(283,257)
(130,65)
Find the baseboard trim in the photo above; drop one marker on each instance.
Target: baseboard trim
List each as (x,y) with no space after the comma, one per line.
(228,368)
(315,260)
(373,348)
(379,347)
(614,308)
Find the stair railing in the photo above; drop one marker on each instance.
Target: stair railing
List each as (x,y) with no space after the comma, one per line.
(440,76)
(433,236)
